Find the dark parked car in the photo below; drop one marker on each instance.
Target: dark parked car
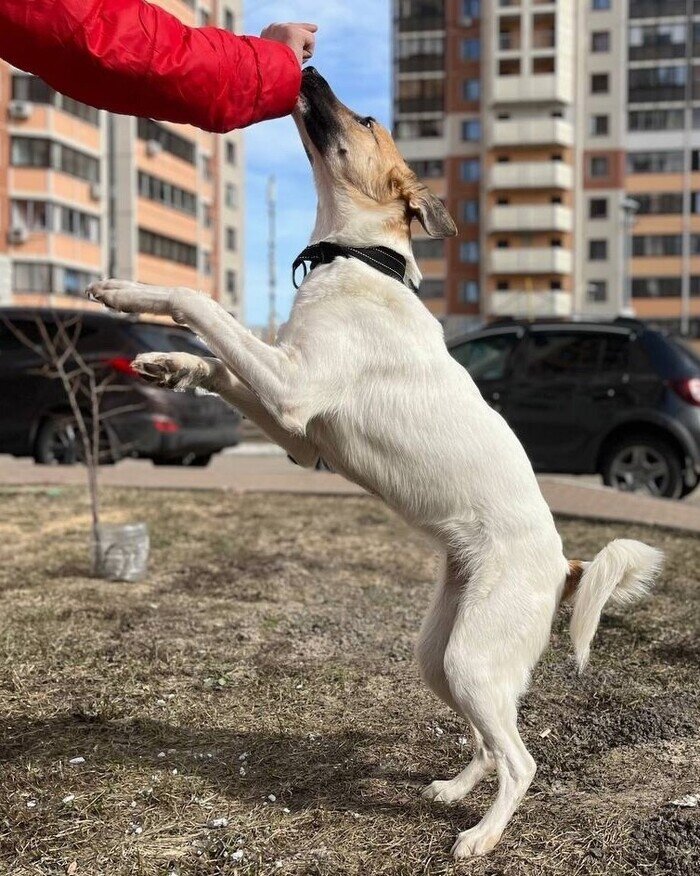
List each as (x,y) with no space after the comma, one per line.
(170,428)
(615,398)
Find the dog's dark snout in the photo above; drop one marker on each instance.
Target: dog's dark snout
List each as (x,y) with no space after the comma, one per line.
(310,71)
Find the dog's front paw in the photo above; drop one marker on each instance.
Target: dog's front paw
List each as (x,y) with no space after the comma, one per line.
(474,843)
(178,371)
(127,297)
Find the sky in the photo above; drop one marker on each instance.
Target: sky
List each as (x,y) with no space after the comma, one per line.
(353,54)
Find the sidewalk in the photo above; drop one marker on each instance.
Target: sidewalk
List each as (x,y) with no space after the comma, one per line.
(264,468)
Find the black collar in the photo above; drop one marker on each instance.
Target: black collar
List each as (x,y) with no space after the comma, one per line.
(381,258)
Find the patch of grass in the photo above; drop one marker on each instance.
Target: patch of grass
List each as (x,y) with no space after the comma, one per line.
(263,674)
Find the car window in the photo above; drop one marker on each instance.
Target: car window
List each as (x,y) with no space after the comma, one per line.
(165,339)
(487,358)
(616,354)
(562,354)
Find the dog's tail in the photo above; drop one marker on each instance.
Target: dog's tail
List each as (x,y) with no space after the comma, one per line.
(623,572)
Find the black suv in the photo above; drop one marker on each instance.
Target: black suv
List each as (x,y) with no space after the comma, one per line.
(169,428)
(615,398)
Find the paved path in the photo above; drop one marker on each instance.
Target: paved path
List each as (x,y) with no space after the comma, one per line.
(263,468)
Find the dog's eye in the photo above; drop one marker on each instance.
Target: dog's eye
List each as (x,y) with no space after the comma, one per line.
(368,122)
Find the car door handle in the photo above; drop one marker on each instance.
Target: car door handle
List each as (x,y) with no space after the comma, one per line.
(495,396)
(607,393)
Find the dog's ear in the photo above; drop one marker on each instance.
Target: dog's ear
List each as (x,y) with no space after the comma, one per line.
(430,212)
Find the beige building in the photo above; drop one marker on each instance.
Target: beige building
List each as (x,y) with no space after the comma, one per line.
(564,136)
(86,194)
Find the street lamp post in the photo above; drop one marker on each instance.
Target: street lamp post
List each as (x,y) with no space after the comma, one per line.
(629,208)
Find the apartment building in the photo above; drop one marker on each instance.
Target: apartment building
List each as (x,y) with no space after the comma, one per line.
(564,137)
(86,194)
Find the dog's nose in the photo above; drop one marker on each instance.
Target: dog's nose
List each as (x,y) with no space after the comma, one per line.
(310,71)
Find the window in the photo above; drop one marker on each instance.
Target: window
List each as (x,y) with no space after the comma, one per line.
(598,208)
(40,152)
(418,53)
(38,216)
(230,152)
(471,130)
(667,161)
(50,279)
(432,289)
(597,291)
(470,211)
(76,223)
(659,203)
(562,354)
(471,90)
(656,120)
(599,166)
(231,239)
(600,126)
(469,292)
(600,5)
(657,41)
(232,285)
(35,90)
(428,248)
(600,83)
(167,248)
(470,170)
(32,215)
(430,168)
(656,287)
(600,41)
(656,83)
(231,195)
(471,8)
(168,140)
(487,358)
(657,245)
(418,128)
(420,95)
(597,250)
(229,20)
(469,251)
(203,18)
(154,189)
(471,50)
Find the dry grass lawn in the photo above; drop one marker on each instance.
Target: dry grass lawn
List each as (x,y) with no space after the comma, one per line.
(263,674)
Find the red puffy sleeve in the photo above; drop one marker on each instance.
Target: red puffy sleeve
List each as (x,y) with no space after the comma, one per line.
(132,57)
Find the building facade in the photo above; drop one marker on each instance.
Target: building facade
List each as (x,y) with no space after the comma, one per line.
(86,194)
(564,136)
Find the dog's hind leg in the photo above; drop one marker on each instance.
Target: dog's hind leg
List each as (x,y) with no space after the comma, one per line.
(487,672)
(451,790)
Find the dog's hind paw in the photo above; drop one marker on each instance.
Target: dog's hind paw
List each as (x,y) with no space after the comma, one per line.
(447,791)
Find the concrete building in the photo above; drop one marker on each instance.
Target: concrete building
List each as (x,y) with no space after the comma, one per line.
(564,136)
(85,194)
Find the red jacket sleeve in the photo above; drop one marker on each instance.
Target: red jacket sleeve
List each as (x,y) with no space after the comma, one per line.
(131,57)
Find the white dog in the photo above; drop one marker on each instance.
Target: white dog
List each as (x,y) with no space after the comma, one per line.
(361,378)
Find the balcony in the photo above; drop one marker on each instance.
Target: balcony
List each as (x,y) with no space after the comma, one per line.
(533,88)
(529,305)
(538,217)
(534,260)
(533,132)
(531,175)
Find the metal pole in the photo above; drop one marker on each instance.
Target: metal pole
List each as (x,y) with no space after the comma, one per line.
(272,267)
(629,208)
(687,169)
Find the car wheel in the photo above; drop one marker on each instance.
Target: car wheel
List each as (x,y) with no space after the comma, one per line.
(644,464)
(57,442)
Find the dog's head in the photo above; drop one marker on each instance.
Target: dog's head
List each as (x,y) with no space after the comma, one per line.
(355,159)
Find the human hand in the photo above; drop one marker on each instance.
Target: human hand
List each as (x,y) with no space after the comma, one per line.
(301,38)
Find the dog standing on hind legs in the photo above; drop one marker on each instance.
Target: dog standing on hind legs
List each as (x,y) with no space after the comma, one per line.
(361,378)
